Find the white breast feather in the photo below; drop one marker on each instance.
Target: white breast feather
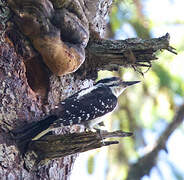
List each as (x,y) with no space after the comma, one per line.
(95,121)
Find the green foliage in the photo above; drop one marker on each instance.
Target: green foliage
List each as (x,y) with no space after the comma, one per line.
(90,164)
(121,12)
(164,76)
(140,29)
(143,107)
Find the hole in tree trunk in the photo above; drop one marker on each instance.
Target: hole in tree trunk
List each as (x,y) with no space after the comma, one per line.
(37,73)
(37,76)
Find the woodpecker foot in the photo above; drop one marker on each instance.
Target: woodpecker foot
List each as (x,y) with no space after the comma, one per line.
(100,132)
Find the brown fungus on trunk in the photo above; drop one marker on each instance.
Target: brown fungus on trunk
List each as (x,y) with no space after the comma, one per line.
(48,26)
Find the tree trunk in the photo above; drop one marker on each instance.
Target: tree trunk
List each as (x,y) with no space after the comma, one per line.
(29,90)
(27,94)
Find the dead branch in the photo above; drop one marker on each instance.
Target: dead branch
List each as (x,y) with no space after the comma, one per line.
(56,146)
(103,54)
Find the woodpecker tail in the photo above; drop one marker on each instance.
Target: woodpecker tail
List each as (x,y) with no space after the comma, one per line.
(23,135)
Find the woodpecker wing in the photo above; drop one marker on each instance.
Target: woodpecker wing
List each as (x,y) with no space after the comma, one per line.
(86,105)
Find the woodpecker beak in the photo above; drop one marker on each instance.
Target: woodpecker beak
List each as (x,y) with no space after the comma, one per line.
(129,83)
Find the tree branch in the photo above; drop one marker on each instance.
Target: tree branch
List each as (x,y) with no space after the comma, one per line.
(144,164)
(103,54)
(20,66)
(55,146)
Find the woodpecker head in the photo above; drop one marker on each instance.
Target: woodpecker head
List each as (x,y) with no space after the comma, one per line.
(116,84)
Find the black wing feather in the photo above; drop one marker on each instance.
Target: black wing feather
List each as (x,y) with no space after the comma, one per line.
(73,110)
(92,105)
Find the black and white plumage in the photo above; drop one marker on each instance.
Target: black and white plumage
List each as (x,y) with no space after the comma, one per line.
(86,107)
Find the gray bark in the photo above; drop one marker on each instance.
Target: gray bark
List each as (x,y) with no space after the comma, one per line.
(103,54)
(29,90)
(21,104)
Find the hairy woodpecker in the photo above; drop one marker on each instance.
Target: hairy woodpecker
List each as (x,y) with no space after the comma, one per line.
(86,107)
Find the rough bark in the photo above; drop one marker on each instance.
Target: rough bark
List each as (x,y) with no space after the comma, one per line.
(29,90)
(52,146)
(19,104)
(23,95)
(103,54)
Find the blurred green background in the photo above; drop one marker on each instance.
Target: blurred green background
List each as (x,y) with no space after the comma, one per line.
(146,108)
